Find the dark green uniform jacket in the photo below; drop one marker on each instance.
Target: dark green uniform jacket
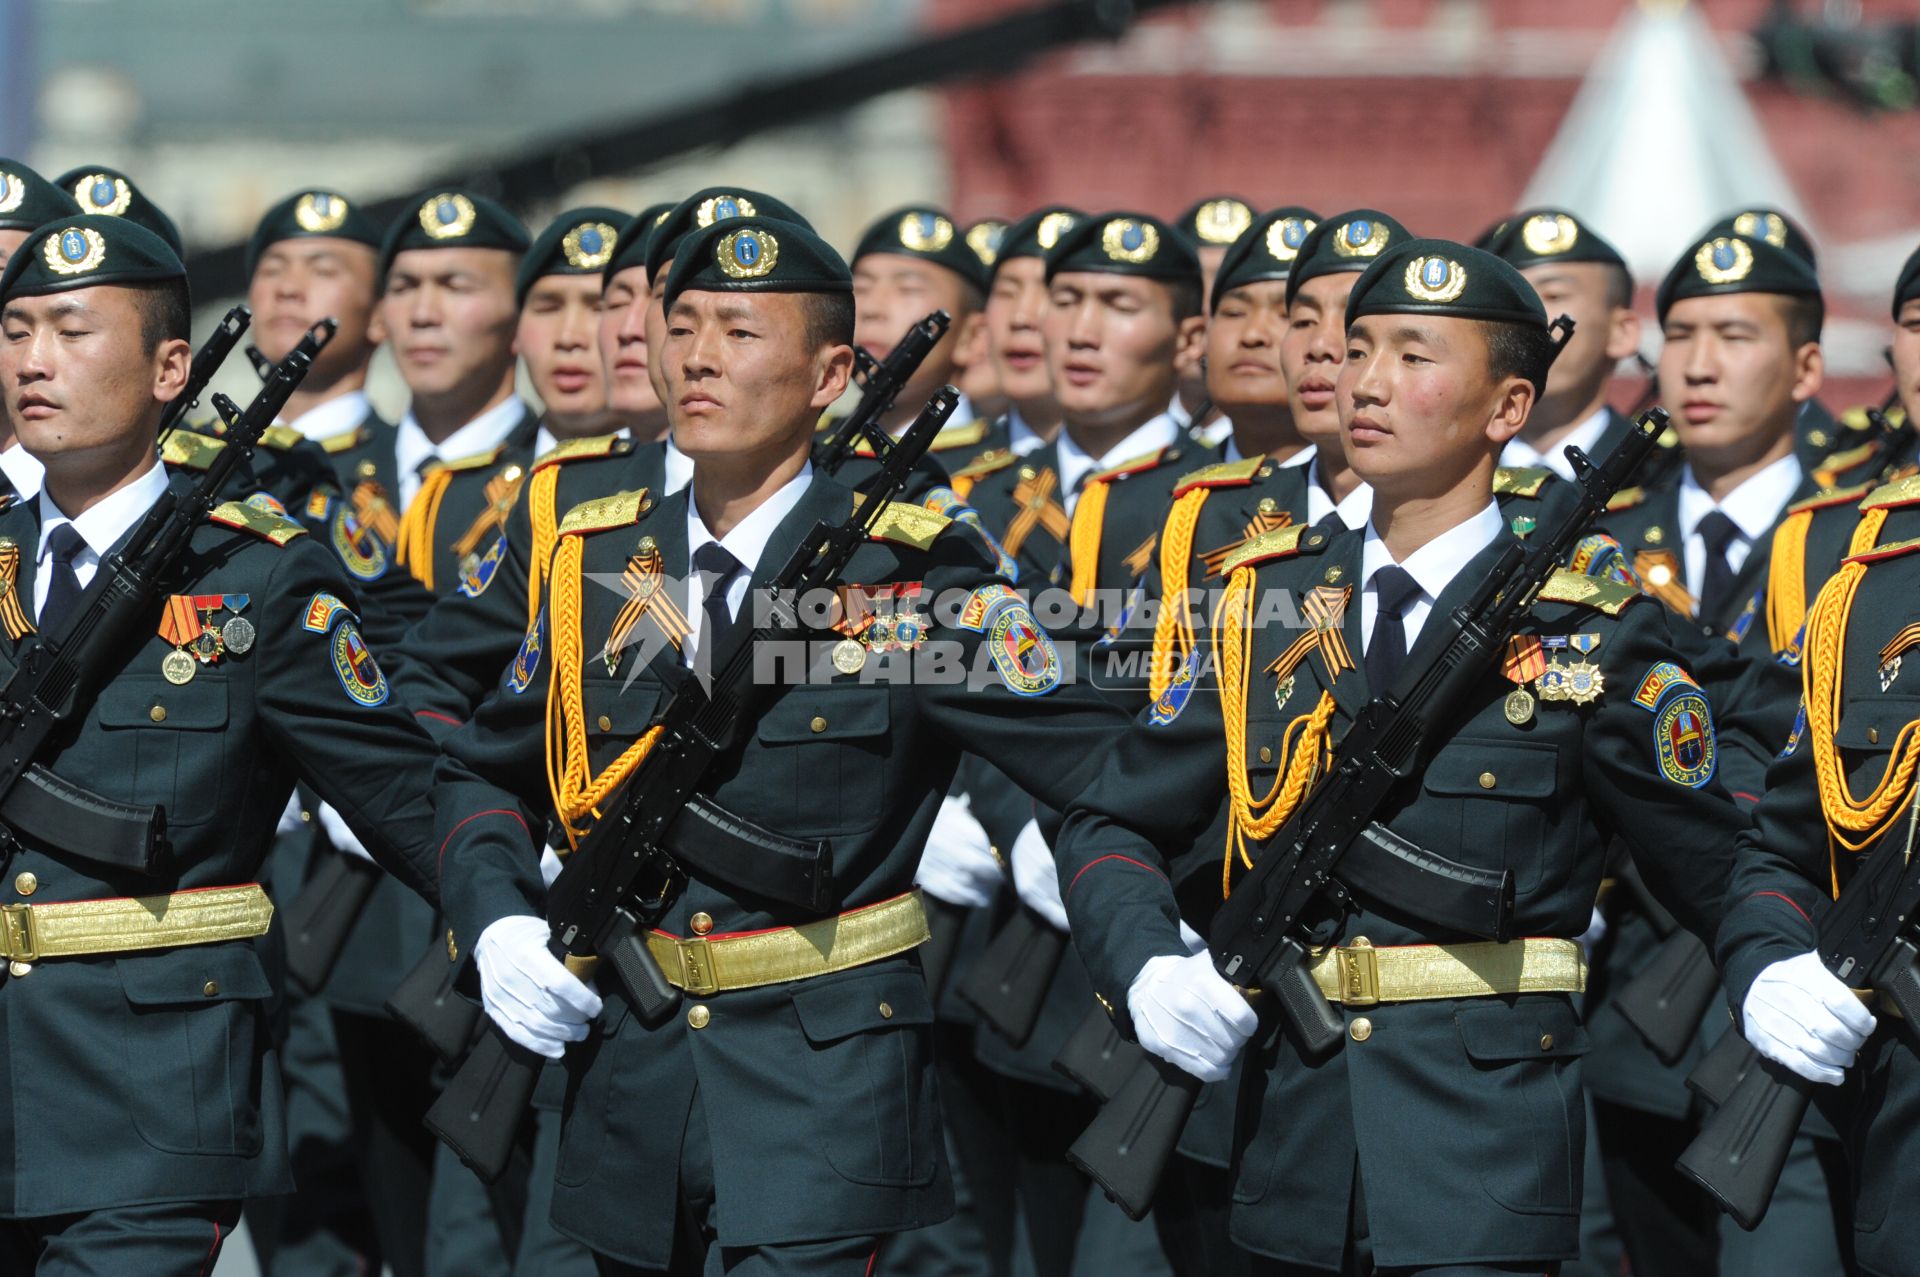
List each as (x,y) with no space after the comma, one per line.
(148,1077)
(818,1093)
(1466,1115)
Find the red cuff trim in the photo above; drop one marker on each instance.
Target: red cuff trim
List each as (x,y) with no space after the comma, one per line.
(1741,793)
(1789,899)
(1091,863)
(491,811)
(427,713)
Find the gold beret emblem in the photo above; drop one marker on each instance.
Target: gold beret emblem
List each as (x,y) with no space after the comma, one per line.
(1768,226)
(984,239)
(1221,221)
(1550,234)
(75,250)
(748,253)
(12,191)
(98,193)
(319,212)
(1128,240)
(1362,237)
(1724,260)
(1051,228)
(1285,237)
(1434,279)
(718,208)
(589,246)
(447,216)
(925,232)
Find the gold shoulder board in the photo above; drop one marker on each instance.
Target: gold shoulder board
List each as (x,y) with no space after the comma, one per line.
(617,511)
(280,438)
(960,436)
(1223,474)
(1832,496)
(986,463)
(345,441)
(1891,551)
(1134,465)
(271,527)
(574,449)
(190,451)
(478,461)
(1900,492)
(1626,499)
(1598,593)
(1521,481)
(908,525)
(1281,543)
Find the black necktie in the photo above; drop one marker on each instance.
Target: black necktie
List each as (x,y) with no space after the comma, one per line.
(63,584)
(717,568)
(1393,588)
(1716,585)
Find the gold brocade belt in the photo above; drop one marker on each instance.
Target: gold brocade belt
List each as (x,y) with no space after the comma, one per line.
(1359,975)
(70,928)
(714,964)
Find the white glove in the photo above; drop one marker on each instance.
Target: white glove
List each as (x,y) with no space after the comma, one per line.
(533,998)
(1187,1015)
(1799,1015)
(342,838)
(1596,932)
(1035,878)
(290,818)
(550,865)
(958,865)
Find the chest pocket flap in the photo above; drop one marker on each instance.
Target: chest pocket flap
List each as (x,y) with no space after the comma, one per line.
(1488,769)
(619,712)
(838,713)
(1873,723)
(150,702)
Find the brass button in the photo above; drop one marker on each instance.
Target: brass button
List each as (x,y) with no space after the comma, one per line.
(1266,753)
(606,724)
(886,1011)
(1105,1005)
(19,968)
(366,469)
(701,923)
(1546,1041)
(158,713)
(306,817)
(698,1017)
(1873,736)
(26,884)
(1268,505)
(1028,472)
(453,949)
(1361,1029)
(511,473)
(1488,780)
(1359,942)
(818,724)
(211,988)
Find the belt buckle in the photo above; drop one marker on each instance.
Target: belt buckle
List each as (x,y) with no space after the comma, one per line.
(697,975)
(1359,975)
(17,933)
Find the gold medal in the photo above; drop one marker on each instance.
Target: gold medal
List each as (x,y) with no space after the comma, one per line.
(178,667)
(849,656)
(1519,707)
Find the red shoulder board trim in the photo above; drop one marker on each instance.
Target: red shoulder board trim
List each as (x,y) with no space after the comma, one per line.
(1883,552)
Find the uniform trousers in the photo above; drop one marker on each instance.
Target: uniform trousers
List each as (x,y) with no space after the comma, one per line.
(171,1239)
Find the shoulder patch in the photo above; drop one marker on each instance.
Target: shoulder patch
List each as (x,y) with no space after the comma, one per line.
(906,524)
(270,527)
(280,438)
(1626,499)
(189,450)
(345,441)
(987,463)
(1224,474)
(1135,465)
(575,449)
(616,511)
(1880,553)
(1831,497)
(1598,593)
(1900,492)
(965,436)
(1521,481)
(1280,543)
(1683,739)
(478,461)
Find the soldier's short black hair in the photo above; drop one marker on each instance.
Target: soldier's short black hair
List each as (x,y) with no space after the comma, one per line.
(1619,286)
(1806,315)
(829,319)
(1185,295)
(1518,350)
(166,312)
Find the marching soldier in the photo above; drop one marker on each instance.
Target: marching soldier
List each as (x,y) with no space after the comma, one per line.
(254,672)
(1444,1133)
(1016,303)
(1210,225)
(624,353)
(978,379)
(679,1156)
(31,201)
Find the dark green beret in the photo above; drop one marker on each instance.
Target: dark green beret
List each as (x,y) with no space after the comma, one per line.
(1216,221)
(1344,242)
(634,236)
(452,219)
(111,193)
(27,199)
(925,232)
(581,241)
(1125,244)
(1720,264)
(756,255)
(1537,235)
(1266,250)
(705,207)
(1771,225)
(1035,234)
(1440,277)
(1907,287)
(312,214)
(88,252)
(984,238)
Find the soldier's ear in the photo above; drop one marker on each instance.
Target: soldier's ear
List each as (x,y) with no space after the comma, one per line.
(834,375)
(1190,344)
(970,343)
(1513,403)
(1623,333)
(1809,371)
(377,324)
(172,360)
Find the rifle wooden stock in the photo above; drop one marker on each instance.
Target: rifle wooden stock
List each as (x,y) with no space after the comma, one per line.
(321,917)
(1008,984)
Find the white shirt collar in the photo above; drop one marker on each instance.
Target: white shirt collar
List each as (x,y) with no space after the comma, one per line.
(747,542)
(1303,457)
(100,527)
(1354,509)
(679,467)
(1178,411)
(1753,506)
(335,416)
(1520,453)
(23,471)
(412,448)
(1076,462)
(1433,567)
(1021,437)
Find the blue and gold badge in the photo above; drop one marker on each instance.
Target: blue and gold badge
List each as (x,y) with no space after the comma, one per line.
(1028,662)
(720,207)
(1724,260)
(266,503)
(1221,221)
(590,245)
(322,610)
(526,662)
(1051,228)
(925,232)
(353,663)
(1434,279)
(1285,237)
(319,212)
(1799,729)
(1550,234)
(477,570)
(1362,237)
(1768,226)
(1128,240)
(1683,740)
(362,551)
(1179,691)
(75,251)
(747,254)
(12,191)
(984,239)
(101,193)
(447,216)
(1660,680)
